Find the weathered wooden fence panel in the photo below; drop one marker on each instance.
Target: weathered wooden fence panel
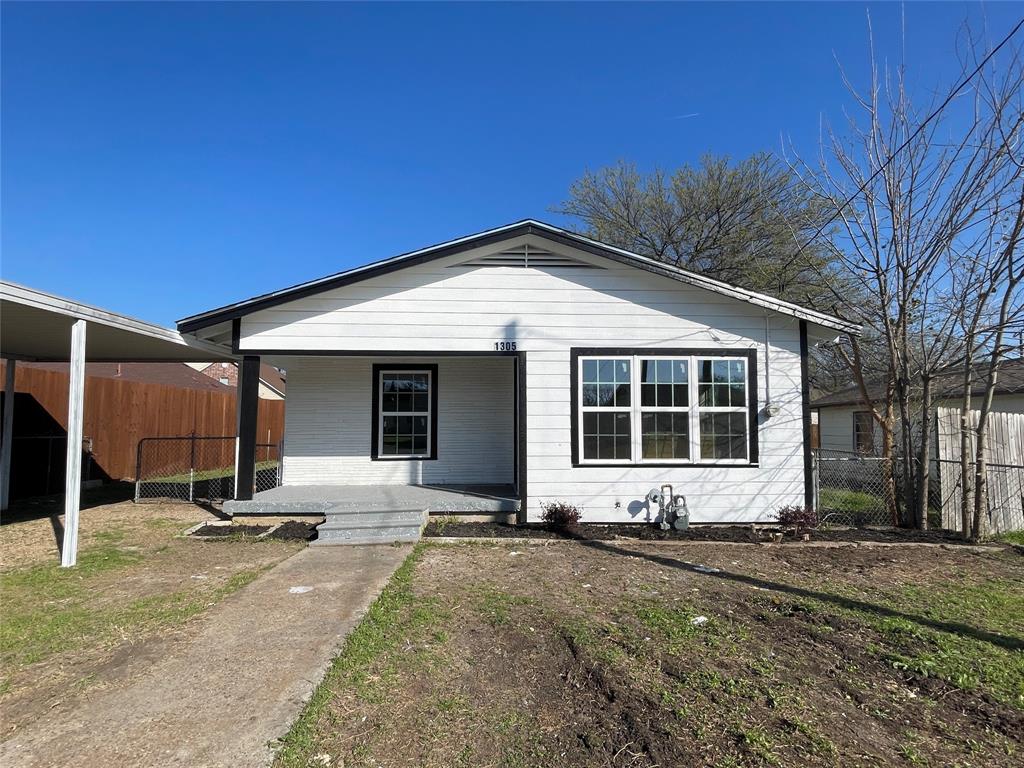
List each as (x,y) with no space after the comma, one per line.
(120,413)
(1004,476)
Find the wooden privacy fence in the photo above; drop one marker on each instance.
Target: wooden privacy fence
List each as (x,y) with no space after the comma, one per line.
(118,414)
(1004,468)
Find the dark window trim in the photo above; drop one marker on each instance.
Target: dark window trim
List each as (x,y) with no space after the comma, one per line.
(379,368)
(805,409)
(752,388)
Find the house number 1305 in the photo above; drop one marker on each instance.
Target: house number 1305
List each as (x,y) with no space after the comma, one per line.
(505,346)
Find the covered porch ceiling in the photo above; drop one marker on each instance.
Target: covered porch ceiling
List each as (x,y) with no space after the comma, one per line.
(36,326)
(40,327)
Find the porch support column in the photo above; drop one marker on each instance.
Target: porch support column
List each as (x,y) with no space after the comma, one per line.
(248,410)
(73,471)
(805,411)
(8,431)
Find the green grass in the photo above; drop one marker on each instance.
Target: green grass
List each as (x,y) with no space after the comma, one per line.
(393,616)
(849,501)
(48,609)
(967,659)
(208,474)
(1012,537)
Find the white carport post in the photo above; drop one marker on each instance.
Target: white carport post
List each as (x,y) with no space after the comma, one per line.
(73,472)
(8,433)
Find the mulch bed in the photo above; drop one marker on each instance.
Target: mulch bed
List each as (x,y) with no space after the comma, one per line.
(293,530)
(646,532)
(214,531)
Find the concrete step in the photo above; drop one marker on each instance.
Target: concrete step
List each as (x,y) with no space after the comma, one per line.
(380,535)
(374,517)
(370,527)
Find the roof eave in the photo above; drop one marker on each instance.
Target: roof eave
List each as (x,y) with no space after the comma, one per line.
(525,227)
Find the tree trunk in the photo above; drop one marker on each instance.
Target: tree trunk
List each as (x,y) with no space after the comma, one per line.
(906,449)
(925,460)
(888,468)
(966,477)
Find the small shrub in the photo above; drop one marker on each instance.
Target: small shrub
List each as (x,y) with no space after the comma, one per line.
(800,518)
(560,515)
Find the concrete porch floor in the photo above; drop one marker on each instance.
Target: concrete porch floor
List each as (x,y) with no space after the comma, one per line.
(290,500)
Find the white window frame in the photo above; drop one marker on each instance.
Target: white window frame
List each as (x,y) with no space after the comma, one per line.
(636,409)
(745,410)
(380,414)
(608,409)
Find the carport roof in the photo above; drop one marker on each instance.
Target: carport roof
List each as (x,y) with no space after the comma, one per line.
(36,326)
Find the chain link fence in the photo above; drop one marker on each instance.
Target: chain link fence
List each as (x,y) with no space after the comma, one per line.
(849,488)
(193,468)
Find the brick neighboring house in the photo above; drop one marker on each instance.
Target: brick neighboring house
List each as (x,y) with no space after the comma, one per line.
(272,381)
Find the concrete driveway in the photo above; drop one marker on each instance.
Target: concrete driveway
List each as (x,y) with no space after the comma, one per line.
(231,685)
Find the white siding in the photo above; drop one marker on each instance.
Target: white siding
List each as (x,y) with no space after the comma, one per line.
(328,418)
(546,312)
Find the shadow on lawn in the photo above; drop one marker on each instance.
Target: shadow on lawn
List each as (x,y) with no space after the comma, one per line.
(1003,641)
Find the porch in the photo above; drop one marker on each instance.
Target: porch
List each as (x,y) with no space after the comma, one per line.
(368,514)
(319,500)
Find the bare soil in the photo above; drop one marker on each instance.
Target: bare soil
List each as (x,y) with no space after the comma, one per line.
(629,654)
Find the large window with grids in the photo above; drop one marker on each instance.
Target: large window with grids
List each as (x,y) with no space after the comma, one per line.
(404,412)
(664,408)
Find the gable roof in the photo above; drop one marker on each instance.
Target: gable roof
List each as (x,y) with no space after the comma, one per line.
(948,383)
(507,232)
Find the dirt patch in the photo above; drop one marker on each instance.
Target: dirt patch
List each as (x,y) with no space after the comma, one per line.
(626,654)
(138,585)
(706,533)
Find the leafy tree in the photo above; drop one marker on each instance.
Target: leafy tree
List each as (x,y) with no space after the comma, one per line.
(740,222)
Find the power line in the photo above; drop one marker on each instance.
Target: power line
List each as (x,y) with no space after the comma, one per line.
(952,95)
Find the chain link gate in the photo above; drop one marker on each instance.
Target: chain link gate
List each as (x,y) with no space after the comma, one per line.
(194,468)
(849,489)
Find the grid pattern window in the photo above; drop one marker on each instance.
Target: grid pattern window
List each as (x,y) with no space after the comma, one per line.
(404,418)
(605,396)
(678,409)
(722,404)
(664,408)
(863,433)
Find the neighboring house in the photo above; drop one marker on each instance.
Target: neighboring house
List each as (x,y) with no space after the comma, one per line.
(272,381)
(846,424)
(531,357)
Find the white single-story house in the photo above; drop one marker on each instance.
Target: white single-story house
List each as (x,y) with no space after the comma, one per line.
(845,424)
(534,359)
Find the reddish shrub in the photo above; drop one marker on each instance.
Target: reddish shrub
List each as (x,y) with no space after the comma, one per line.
(800,518)
(560,515)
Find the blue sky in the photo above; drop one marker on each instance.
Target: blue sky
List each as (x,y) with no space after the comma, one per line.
(164,159)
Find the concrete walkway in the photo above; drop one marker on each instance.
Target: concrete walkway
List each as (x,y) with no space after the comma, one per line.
(233,685)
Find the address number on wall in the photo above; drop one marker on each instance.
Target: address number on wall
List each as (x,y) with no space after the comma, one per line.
(505,346)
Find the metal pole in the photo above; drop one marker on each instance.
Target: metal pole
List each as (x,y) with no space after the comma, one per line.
(192,466)
(73,466)
(8,431)
(138,469)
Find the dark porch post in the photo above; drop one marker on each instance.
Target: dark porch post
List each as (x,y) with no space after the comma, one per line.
(248,409)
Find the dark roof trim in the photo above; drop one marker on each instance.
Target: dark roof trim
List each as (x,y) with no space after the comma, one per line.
(518,229)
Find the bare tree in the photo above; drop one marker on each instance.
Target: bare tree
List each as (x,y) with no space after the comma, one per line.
(912,186)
